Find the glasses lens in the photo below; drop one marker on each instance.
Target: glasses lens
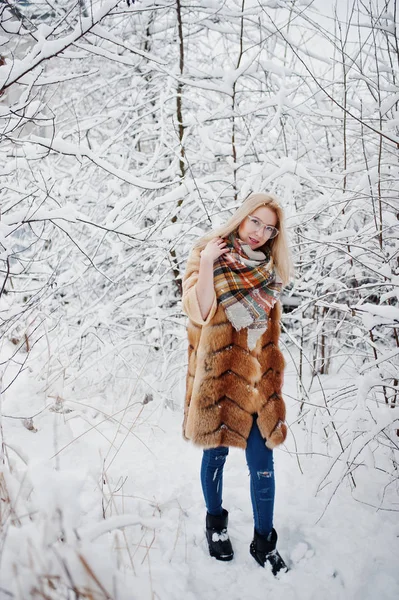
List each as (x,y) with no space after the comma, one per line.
(273,233)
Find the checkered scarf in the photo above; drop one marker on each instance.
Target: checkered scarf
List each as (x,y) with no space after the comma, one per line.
(247,286)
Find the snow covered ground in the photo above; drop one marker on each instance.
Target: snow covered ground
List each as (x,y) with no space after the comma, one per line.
(138,472)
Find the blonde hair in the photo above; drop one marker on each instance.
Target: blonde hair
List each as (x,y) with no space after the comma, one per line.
(278,246)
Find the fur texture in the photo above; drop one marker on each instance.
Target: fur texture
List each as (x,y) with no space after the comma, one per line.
(226,383)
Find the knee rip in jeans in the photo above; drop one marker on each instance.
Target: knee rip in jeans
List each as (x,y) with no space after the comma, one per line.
(266,474)
(265,493)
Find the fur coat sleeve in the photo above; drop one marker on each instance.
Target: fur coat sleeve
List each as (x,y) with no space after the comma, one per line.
(190,300)
(191,308)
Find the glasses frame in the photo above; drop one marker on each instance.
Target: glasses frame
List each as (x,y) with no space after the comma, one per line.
(269,229)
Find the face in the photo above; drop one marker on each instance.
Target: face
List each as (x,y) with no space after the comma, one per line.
(252,233)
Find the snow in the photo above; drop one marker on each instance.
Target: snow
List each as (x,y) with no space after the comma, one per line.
(220,537)
(44,48)
(67,213)
(382,358)
(80,150)
(381,314)
(146,479)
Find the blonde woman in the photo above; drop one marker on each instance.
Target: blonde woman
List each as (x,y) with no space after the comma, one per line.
(231,292)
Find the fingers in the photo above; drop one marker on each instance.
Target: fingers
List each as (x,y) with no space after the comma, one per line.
(223,245)
(220,242)
(214,249)
(217,243)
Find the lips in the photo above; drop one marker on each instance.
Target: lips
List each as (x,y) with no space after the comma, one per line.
(253,241)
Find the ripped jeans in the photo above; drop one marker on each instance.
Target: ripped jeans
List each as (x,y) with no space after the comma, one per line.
(261,471)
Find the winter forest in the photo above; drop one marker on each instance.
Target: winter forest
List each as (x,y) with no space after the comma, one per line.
(129,129)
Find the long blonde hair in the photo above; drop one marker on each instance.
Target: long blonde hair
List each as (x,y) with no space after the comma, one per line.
(278,246)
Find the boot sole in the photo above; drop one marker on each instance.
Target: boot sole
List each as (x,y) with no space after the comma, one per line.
(222,557)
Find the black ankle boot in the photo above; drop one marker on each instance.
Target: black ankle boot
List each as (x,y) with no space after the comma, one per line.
(218,539)
(263,548)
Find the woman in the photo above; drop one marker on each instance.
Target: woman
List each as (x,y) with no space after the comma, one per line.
(231,288)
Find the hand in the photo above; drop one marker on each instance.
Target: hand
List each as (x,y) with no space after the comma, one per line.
(214,249)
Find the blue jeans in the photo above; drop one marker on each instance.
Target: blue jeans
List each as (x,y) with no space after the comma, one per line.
(261,471)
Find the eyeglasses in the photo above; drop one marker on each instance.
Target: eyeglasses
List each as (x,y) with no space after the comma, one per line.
(257,225)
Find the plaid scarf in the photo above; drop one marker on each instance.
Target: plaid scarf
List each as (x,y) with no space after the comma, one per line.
(247,286)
